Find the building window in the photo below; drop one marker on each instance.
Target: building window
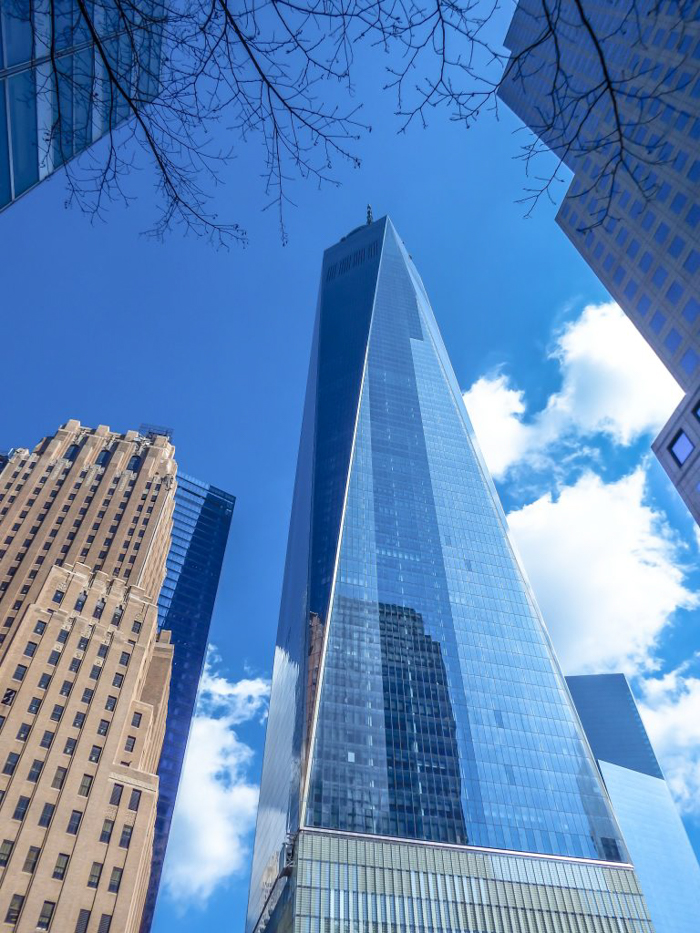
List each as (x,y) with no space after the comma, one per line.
(66,688)
(46,815)
(124,658)
(11,763)
(135,800)
(69,747)
(5,851)
(21,809)
(83,921)
(130,743)
(59,871)
(58,778)
(35,771)
(106,833)
(111,703)
(57,712)
(47,739)
(136,628)
(95,873)
(58,596)
(31,860)
(116,795)
(99,609)
(681,448)
(46,915)
(30,649)
(23,731)
(85,785)
(13,910)
(88,694)
(78,720)
(80,602)
(103,727)
(74,822)
(115,880)
(44,681)
(19,673)
(136,720)
(118,680)
(125,840)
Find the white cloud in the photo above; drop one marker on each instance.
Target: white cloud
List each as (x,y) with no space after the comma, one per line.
(612,383)
(216,803)
(671,714)
(606,570)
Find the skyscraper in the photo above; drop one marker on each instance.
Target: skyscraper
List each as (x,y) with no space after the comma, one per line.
(201,522)
(85,520)
(635,220)
(424,766)
(663,858)
(56,95)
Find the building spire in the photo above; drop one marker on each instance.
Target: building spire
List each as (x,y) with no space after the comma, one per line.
(370,218)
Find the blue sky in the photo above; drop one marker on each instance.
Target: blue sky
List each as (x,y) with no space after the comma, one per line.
(109,327)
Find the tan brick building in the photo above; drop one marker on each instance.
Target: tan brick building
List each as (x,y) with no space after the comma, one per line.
(85,525)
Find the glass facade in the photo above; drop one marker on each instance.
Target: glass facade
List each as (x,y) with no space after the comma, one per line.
(415,692)
(664,861)
(55,95)
(612,723)
(201,522)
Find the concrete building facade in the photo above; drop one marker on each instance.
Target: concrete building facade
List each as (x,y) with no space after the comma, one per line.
(85,521)
(632,211)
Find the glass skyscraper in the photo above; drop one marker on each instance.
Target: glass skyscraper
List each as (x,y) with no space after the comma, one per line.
(635,221)
(201,522)
(663,857)
(56,98)
(424,766)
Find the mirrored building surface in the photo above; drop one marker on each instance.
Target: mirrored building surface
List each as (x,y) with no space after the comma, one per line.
(201,522)
(422,748)
(666,866)
(66,81)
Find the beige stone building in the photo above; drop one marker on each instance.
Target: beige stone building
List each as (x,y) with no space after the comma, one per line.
(85,524)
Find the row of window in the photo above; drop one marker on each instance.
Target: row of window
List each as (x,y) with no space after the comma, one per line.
(47,914)
(75,820)
(61,866)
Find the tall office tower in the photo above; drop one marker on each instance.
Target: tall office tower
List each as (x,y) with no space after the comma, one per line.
(663,857)
(201,522)
(85,522)
(55,95)
(424,766)
(637,227)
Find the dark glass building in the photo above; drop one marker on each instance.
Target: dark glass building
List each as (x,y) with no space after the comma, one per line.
(658,844)
(636,220)
(55,95)
(201,522)
(424,766)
